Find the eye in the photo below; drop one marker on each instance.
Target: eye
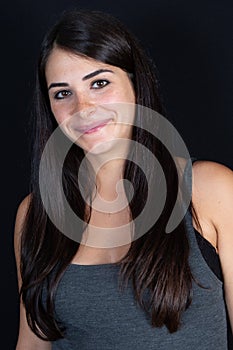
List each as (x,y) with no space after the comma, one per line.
(62,94)
(99,84)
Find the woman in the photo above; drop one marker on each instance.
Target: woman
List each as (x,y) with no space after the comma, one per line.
(91,76)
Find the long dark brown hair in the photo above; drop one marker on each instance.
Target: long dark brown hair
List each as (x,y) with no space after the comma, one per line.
(156,262)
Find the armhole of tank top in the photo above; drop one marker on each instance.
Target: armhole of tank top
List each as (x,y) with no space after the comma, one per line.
(194,243)
(219,281)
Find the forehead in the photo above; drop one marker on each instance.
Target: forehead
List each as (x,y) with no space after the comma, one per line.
(61,62)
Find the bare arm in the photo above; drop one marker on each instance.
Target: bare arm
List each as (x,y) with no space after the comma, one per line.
(215,182)
(27,340)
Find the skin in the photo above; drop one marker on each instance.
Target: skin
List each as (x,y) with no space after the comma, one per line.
(83,91)
(93,92)
(212,190)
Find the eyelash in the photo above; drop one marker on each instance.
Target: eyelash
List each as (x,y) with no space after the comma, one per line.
(69,93)
(100,81)
(56,95)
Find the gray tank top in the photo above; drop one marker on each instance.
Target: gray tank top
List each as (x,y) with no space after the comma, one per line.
(98,316)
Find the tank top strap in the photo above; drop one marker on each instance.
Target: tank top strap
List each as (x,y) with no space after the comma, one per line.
(197,262)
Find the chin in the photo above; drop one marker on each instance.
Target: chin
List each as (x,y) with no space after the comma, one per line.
(109,148)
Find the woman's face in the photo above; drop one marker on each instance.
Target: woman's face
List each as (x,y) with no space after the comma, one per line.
(90,99)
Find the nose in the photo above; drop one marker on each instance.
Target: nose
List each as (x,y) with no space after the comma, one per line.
(85,107)
(87,110)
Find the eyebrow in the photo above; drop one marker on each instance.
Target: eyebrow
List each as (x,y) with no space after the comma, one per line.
(57,85)
(86,77)
(93,74)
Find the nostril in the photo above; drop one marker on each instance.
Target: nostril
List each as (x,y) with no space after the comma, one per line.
(85,111)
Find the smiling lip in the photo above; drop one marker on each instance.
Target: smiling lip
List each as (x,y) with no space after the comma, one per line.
(88,129)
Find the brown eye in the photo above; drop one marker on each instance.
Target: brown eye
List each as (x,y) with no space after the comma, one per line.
(62,94)
(99,84)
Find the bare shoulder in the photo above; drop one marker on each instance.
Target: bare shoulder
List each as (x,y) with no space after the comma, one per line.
(211,169)
(213,192)
(212,196)
(26,338)
(21,212)
(19,221)
(211,181)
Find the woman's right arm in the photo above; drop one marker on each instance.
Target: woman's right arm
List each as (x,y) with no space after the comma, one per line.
(27,340)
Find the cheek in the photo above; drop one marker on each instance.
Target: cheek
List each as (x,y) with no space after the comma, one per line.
(124,96)
(124,93)
(58,115)
(128,94)
(61,112)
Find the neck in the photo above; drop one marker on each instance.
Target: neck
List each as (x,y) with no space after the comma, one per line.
(109,224)
(109,178)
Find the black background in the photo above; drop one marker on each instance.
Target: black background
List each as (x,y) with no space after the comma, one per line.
(192,45)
